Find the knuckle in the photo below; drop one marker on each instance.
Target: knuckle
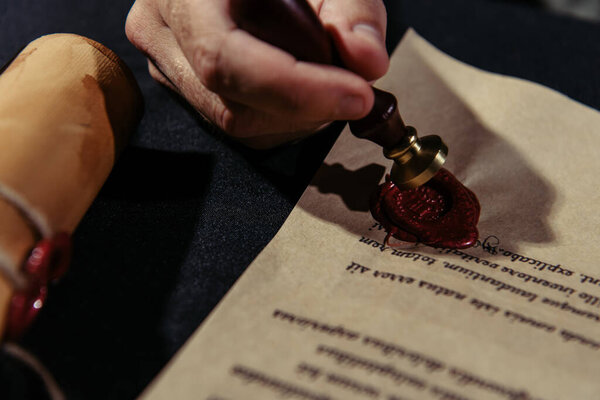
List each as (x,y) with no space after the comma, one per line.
(232,122)
(228,122)
(134,25)
(176,14)
(224,118)
(207,59)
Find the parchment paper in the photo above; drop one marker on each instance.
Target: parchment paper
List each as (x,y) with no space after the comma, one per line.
(328,312)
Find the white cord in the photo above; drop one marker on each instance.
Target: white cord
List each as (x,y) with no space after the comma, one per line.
(54,391)
(36,218)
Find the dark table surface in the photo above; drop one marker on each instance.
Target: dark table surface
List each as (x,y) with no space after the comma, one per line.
(185,210)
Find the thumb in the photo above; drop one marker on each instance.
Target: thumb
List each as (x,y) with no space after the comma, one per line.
(358,29)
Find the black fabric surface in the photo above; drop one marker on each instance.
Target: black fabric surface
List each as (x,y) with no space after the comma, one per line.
(186,211)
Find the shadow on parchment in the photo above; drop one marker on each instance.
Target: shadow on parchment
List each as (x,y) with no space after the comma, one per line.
(515,200)
(338,180)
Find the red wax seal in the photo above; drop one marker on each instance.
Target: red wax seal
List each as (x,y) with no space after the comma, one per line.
(440,213)
(48,261)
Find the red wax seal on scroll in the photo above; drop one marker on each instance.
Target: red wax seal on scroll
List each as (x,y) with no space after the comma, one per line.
(440,213)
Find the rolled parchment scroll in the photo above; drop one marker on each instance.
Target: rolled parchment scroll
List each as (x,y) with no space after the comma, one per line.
(67,105)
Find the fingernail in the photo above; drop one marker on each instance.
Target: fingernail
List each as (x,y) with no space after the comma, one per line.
(369,33)
(350,107)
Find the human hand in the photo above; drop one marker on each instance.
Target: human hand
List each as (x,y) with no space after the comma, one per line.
(253,91)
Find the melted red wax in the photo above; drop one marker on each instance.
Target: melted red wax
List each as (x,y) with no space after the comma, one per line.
(441,213)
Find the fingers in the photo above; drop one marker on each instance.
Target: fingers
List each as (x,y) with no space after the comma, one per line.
(358,28)
(243,69)
(248,88)
(254,73)
(167,64)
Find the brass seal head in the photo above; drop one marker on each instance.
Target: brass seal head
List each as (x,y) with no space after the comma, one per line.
(416,160)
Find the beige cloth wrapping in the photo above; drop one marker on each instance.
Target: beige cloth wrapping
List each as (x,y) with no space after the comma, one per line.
(67,106)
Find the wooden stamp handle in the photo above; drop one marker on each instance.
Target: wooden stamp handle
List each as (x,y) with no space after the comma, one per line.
(290,25)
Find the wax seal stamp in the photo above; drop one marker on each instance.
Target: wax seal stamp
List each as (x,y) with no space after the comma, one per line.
(420,201)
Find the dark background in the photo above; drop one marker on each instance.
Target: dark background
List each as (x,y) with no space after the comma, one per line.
(185,211)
